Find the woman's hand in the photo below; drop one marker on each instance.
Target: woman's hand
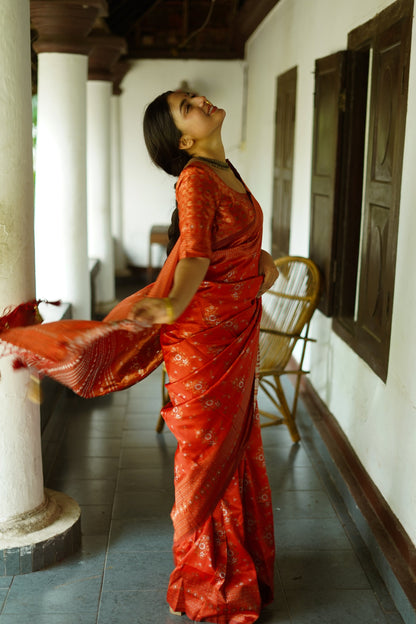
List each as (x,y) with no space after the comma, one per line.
(189,274)
(267,268)
(152,311)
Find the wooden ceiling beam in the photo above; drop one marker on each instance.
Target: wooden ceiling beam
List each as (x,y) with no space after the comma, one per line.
(249,17)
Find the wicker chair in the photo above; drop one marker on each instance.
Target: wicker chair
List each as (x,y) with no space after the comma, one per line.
(287,310)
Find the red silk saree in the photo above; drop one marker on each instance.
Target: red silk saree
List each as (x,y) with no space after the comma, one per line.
(223,544)
(223,522)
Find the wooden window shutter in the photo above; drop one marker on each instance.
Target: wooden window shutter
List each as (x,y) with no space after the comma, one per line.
(283,166)
(382,191)
(329,107)
(349,223)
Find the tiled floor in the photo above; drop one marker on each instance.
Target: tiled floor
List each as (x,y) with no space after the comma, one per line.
(119,470)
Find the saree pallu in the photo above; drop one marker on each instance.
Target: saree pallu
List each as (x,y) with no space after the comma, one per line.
(92,358)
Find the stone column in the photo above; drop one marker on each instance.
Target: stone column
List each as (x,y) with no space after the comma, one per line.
(37,526)
(120,262)
(62,268)
(106,49)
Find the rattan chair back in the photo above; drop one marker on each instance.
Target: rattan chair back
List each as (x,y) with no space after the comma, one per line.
(287,310)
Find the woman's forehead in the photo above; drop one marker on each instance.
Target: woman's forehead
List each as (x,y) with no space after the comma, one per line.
(175,98)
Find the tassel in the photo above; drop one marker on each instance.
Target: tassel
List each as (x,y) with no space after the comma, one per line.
(17,364)
(24,314)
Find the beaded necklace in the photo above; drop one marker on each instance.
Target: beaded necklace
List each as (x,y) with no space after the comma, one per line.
(212,161)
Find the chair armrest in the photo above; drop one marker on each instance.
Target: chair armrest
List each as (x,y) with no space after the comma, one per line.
(276,332)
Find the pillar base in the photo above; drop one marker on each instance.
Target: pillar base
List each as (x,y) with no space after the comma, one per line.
(21,553)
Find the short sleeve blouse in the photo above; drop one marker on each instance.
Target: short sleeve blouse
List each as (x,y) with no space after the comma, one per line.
(197,198)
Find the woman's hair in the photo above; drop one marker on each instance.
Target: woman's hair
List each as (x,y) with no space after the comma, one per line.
(162,136)
(162,141)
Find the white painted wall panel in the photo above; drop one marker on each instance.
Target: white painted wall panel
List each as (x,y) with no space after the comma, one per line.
(379,419)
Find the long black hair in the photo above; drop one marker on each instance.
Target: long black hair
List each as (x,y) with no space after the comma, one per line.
(162,141)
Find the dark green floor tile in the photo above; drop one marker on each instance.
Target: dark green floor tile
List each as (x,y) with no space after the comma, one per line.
(70,587)
(94,409)
(317,534)
(145,421)
(134,504)
(152,479)
(137,607)
(100,428)
(279,457)
(287,477)
(5,581)
(141,533)
(293,504)
(86,468)
(120,398)
(95,519)
(277,436)
(91,447)
(145,404)
(148,439)
(147,457)
(51,618)
(137,570)
(31,595)
(87,491)
(321,569)
(334,607)
(3,594)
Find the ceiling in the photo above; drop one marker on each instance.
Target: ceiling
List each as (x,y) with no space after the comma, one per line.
(181,29)
(199,29)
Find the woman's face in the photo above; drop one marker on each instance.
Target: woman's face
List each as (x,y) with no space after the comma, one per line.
(194,115)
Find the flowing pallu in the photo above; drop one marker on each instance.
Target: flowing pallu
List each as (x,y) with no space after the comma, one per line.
(92,358)
(223,523)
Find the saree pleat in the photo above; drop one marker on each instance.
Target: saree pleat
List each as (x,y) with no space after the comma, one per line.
(223,560)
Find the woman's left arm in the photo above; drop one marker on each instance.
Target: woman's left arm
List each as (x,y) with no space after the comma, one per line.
(267,268)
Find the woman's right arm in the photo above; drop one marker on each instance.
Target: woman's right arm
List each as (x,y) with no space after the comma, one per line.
(189,274)
(197,205)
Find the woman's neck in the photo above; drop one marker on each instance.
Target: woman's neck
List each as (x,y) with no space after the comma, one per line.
(213,149)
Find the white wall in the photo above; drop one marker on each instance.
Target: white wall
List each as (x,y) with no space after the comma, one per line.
(379,419)
(148,193)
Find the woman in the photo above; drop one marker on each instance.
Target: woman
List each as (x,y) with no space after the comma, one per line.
(202,316)
(223,544)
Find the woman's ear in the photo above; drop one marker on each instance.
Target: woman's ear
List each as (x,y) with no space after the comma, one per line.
(185,142)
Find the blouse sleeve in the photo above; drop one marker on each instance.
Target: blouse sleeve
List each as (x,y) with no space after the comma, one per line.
(195,194)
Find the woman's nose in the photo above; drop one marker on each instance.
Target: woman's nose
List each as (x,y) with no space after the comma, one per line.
(200,100)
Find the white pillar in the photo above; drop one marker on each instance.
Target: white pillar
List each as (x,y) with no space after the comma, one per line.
(105,51)
(61,192)
(30,517)
(21,481)
(100,244)
(119,71)
(116,192)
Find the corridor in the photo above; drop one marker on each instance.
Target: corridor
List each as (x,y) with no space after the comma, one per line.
(111,460)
